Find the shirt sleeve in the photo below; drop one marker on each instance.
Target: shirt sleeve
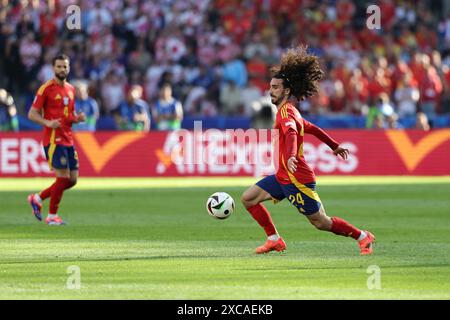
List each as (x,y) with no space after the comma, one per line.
(39,99)
(291,144)
(178,109)
(320,134)
(287,121)
(143,108)
(95,108)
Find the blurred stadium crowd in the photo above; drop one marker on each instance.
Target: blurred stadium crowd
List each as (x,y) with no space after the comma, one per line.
(148,64)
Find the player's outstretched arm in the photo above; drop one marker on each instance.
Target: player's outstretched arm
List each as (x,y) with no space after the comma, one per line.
(320,134)
(325,137)
(342,152)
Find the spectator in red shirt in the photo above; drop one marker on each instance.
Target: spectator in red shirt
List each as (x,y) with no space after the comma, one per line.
(338,98)
(430,92)
(48,28)
(345,10)
(379,84)
(387,7)
(257,71)
(358,93)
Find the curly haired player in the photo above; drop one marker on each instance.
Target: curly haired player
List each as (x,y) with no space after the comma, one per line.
(297,76)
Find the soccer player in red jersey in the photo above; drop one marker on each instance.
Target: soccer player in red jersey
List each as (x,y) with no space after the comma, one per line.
(297,77)
(53,108)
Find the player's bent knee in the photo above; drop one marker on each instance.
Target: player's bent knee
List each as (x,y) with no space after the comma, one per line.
(320,224)
(248,200)
(72,182)
(245,200)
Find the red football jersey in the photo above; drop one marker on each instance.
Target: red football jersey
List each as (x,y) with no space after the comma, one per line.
(57,102)
(288,117)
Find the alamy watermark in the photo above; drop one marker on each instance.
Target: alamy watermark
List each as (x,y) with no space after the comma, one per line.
(374,20)
(374,279)
(74,279)
(224,147)
(73,21)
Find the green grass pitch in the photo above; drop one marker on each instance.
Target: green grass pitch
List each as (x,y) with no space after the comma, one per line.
(152,239)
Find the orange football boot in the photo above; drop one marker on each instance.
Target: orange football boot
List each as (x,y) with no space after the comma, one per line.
(270,245)
(366,244)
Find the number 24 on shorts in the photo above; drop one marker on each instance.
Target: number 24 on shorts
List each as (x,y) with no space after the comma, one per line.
(297,198)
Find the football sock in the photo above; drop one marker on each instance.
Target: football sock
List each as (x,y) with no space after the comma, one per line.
(362,236)
(262,216)
(52,216)
(38,198)
(70,185)
(44,194)
(57,191)
(343,228)
(273,237)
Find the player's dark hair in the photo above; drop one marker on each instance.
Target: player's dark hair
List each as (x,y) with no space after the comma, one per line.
(165,84)
(300,72)
(60,56)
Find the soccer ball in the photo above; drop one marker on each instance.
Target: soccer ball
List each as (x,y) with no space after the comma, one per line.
(220,205)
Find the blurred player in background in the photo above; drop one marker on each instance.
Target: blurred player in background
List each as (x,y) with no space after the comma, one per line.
(133,113)
(297,76)
(168,111)
(84,103)
(54,108)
